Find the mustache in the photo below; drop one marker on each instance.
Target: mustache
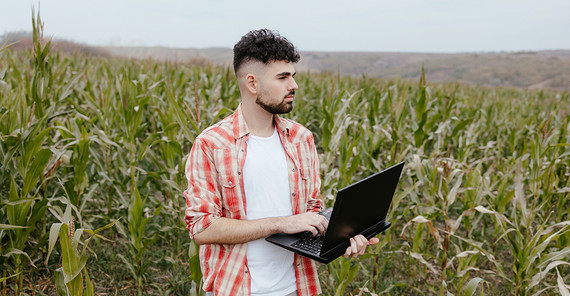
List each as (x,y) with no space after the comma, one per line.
(291,93)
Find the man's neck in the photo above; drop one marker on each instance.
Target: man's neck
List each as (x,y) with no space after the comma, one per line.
(259,122)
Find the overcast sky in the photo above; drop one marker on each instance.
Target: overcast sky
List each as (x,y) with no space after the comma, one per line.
(321,25)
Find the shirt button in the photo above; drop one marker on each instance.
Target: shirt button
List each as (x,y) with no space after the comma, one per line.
(230,183)
(246,272)
(293,170)
(294,194)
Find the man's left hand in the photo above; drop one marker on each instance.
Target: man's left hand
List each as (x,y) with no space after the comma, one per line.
(358,246)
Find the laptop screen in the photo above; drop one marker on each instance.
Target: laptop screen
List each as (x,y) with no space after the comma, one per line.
(361,205)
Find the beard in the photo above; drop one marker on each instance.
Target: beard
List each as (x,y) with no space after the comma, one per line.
(275,108)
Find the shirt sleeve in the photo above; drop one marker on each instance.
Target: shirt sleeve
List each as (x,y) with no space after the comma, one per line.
(314,201)
(203,204)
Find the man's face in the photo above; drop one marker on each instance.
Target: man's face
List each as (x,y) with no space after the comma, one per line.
(277,87)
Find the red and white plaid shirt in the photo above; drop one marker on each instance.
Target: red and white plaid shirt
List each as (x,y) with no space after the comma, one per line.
(216,189)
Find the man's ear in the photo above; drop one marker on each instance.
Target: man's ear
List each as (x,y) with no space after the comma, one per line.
(251,83)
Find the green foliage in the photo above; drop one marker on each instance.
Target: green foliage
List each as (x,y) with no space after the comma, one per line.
(72,278)
(138,242)
(342,271)
(482,207)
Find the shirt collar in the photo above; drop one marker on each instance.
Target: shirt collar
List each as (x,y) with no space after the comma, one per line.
(240,128)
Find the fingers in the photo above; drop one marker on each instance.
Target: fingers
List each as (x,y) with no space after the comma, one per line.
(358,246)
(313,230)
(317,223)
(312,222)
(373,241)
(349,250)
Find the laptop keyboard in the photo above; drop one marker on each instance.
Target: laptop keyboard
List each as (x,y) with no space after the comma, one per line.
(310,243)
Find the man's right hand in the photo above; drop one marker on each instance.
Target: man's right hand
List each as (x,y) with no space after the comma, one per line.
(311,221)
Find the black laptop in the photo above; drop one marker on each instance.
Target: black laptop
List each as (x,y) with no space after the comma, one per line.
(359,208)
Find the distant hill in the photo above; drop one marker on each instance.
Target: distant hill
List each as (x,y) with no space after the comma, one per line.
(545,69)
(531,69)
(24,40)
(222,56)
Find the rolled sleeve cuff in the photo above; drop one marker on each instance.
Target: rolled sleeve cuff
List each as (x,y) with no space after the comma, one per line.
(199,214)
(196,226)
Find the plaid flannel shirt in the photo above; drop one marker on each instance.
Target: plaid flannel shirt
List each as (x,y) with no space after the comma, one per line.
(215,189)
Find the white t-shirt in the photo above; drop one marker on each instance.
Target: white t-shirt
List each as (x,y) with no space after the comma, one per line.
(266,185)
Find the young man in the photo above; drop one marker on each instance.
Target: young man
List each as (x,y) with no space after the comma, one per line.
(254,174)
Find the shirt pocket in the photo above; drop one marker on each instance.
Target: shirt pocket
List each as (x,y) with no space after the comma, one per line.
(230,194)
(306,172)
(305,182)
(304,165)
(229,182)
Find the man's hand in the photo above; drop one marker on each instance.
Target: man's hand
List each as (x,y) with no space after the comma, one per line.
(358,246)
(311,221)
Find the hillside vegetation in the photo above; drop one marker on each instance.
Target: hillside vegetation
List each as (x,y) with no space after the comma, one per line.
(533,70)
(549,69)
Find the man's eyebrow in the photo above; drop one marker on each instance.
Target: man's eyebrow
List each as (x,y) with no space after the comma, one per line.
(284,74)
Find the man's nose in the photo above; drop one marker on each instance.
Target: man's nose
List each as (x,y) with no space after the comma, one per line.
(293,85)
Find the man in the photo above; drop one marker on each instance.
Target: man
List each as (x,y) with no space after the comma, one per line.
(254,174)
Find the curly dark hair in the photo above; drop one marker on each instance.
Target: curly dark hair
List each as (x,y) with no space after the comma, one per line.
(265,46)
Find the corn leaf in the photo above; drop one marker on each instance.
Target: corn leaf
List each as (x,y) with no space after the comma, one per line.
(53,236)
(561,286)
(61,287)
(472,286)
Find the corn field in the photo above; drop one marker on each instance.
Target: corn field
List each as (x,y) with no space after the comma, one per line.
(92,153)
